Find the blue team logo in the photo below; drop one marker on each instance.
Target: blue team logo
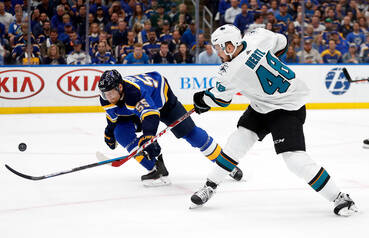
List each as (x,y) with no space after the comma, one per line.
(336,82)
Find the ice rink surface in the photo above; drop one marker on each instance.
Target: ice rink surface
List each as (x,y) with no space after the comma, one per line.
(111,202)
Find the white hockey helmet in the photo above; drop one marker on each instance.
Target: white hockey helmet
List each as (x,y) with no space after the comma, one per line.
(227,33)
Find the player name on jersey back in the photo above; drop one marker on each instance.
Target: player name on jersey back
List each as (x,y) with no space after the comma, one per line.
(254,58)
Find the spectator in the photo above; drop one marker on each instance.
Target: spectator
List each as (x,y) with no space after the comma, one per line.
(93,37)
(46,28)
(363,25)
(258,23)
(98,5)
(283,15)
(189,36)
(15,27)
(182,25)
(120,35)
(331,55)
(112,25)
(187,19)
(166,35)
(231,13)
(80,21)
(53,40)
(351,56)
(175,42)
(102,56)
(20,54)
(364,51)
(64,36)
(309,9)
(202,44)
(137,17)
(254,6)
(356,36)
(273,7)
(318,28)
(341,44)
(328,30)
(163,56)
(101,18)
(290,56)
(147,28)
(38,24)
(46,7)
(244,19)
(69,46)
(209,56)
(158,18)
(183,55)
(222,7)
(173,13)
(311,56)
(53,57)
(78,56)
(153,45)
(123,50)
(5,18)
(57,20)
(137,56)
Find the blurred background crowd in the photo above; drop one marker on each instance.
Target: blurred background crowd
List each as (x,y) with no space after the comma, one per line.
(164,31)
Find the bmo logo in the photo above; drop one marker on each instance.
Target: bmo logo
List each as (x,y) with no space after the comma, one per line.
(20,84)
(80,83)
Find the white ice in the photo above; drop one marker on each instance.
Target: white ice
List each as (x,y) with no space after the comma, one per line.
(111,202)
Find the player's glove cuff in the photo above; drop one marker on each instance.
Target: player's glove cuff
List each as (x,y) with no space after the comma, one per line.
(110,141)
(199,104)
(154,149)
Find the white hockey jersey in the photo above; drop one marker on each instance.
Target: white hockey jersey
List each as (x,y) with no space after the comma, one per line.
(259,75)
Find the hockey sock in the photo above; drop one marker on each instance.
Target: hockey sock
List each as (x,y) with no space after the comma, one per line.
(145,162)
(199,138)
(224,165)
(316,176)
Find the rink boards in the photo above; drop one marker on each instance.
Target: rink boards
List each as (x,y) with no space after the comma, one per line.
(47,89)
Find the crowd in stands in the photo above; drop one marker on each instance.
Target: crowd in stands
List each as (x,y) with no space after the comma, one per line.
(163,31)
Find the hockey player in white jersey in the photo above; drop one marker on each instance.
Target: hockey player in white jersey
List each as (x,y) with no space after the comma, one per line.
(277,106)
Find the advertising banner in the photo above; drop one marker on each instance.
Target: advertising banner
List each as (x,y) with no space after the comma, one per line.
(74,89)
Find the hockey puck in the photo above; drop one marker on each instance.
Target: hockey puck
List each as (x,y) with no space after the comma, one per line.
(22,147)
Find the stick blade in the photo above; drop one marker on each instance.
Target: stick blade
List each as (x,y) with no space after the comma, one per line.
(23,175)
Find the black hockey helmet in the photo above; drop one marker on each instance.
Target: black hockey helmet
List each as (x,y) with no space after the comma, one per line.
(109,80)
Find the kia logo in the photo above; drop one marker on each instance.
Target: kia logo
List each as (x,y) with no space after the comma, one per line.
(80,83)
(20,84)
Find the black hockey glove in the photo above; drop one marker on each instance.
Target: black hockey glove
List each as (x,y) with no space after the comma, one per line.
(110,139)
(153,149)
(199,104)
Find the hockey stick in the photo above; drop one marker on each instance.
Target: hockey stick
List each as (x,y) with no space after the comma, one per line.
(123,158)
(347,75)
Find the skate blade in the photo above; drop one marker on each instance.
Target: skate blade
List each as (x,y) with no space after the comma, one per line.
(163,181)
(195,206)
(345,212)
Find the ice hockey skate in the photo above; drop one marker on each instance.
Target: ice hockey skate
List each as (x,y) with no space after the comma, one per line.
(200,197)
(366,143)
(236,174)
(158,176)
(344,205)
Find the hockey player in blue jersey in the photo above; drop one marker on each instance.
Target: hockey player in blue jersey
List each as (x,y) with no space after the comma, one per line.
(136,104)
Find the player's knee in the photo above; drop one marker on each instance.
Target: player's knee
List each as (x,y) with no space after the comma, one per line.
(240,142)
(300,163)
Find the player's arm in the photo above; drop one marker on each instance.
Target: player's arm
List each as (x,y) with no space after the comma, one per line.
(218,96)
(111,119)
(145,108)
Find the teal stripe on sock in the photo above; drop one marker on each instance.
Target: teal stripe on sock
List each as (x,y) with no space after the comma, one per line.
(318,184)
